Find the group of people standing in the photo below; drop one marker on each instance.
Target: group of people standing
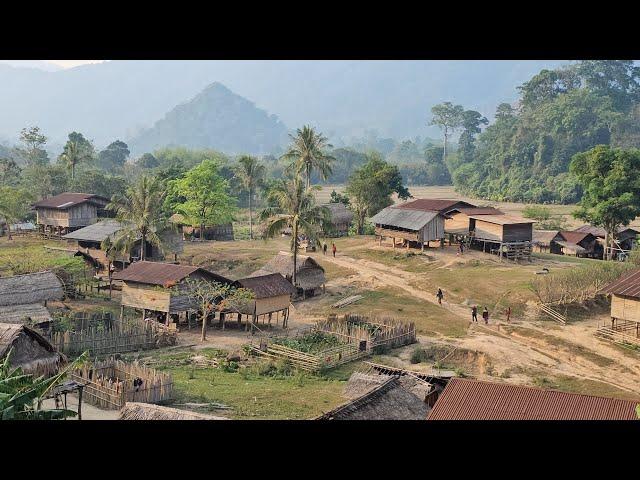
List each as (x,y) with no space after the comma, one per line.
(474,310)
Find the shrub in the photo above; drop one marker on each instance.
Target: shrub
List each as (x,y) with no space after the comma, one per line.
(418,355)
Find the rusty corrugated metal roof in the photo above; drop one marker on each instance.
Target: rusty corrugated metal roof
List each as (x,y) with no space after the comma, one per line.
(480,211)
(70,199)
(164,274)
(465,399)
(574,237)
(627,285)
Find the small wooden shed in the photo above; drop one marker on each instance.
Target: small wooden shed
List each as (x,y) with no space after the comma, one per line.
(149,286)
(69,211)
(546,241)
(310,278)
(29,350)
(625,308)
(501,228)
(272,295)
(413,226)
(340,218)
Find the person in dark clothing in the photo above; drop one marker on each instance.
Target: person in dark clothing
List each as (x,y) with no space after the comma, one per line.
(474,313)
(485,315)
(439,295)
(324,248)
(461,248)
(333,248)
(508,313)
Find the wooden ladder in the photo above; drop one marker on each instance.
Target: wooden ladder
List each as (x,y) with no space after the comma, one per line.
(558,317)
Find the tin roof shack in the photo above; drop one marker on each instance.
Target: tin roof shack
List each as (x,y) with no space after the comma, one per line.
(340,218)
(272,294)
(625,239)
(505,235)
(23,298)
(435,205)
(89,239)
(412,226)
(625,309)
(149,286)
(310,276)
(69,211)
(546,241)
(465,399)
(29,350)
(577,244)
(457,221)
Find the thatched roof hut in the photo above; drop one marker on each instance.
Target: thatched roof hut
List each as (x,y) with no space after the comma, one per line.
(388,400)
(32,314)
(309,274)
(340,218)
(148,411)
(29,350)
(30,288)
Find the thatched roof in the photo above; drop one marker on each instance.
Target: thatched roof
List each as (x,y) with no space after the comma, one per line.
(339,213)
(30,288)
(544,237)
(148,411)
(265,286)
(386,401)
(361,383)
(29,313)
(309,274)
(29,350)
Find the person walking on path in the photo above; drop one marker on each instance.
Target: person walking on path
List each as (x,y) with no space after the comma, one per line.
(439,295)
(508,313)
(474,314)
(461,248)
(324,248)
(485,315)
(333,249)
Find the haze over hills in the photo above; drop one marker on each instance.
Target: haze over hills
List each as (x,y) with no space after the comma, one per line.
(216,118)
(121,99)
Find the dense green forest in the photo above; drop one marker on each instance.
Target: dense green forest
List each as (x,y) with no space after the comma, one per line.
(524,155)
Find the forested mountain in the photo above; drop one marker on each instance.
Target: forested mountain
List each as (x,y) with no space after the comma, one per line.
(119,99)
(524,155)
(215,118)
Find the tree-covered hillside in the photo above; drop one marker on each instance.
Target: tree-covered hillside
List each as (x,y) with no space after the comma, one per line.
(215,118)
(525,153)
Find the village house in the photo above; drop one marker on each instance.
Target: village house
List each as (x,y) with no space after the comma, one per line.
(624,241)
(465,399)
(88,242)
(458,222)
(625,309)
(149,411)
(69,211)
(546,241)
(416,227)
(272,295)
(30,351)
(506,235)
(222,232)
(577,244)
(23,298)
(340,218)
(310,277)
(148,286)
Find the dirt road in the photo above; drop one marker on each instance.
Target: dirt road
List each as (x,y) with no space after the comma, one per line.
(571,350)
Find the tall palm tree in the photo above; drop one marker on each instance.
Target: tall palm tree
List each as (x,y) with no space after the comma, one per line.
(73,155)
(307,152)
(141,214)
(250,172)
(294,207)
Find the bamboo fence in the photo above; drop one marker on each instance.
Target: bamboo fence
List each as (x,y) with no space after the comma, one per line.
(110,383)
(120,337)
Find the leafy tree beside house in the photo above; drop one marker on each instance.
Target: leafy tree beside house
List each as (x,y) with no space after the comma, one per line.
(14,205)
(32,151)
(370,188)
(202,196)
(114,156)
(449,118)
(610,179)
(77,150)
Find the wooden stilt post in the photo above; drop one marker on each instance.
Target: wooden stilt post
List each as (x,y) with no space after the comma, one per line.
(121,312)
(167,319)
(394,242)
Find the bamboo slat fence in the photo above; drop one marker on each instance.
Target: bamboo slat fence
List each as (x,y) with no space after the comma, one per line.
(120,337)
(359,337)
(111,383)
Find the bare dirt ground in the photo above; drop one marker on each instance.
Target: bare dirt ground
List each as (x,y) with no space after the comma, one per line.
(570,350)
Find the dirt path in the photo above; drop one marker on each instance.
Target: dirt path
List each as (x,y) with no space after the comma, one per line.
(576,352)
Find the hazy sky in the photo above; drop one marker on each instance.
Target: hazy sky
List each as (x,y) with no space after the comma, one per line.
(72,63)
